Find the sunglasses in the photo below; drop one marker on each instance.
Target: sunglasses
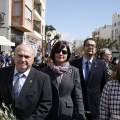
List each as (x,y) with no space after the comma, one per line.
(64,52)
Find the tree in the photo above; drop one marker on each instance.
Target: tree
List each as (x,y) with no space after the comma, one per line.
(49,28)
(105,43)
(51,37)
(56,39)
(78,51)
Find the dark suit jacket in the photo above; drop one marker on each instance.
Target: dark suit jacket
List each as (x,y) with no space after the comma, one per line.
(67,96)
(92,91)
(34,101)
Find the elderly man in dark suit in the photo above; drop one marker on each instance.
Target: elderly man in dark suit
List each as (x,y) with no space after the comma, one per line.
(25,88)
(106,56)
(93,78)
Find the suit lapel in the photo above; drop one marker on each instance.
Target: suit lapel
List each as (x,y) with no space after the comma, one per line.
(81,70)
(9,78)
(52,77)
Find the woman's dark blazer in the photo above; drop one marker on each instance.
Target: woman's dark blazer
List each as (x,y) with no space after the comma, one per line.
(67,96)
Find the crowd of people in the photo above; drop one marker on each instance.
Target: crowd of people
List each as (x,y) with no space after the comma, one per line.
(57,87)
(6,59)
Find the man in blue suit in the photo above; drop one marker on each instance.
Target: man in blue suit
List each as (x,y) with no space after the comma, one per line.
(93,76)
(25,88)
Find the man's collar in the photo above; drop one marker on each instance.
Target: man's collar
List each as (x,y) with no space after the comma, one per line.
(25,73)
(85,60)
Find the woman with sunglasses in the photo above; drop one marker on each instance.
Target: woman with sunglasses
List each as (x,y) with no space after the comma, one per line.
(67,99)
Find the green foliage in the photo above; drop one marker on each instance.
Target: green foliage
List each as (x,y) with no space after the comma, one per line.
(6,113)
(49,28)
(105,43)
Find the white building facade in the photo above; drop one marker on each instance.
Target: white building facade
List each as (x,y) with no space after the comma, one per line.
(5,30)
(77,47)
(102,32)
(116,27)
(78,43)
(24,22)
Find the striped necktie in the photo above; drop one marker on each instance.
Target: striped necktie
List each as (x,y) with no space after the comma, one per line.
(17,86)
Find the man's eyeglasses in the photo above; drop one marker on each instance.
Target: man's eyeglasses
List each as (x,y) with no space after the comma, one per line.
(88,45)
(64,52)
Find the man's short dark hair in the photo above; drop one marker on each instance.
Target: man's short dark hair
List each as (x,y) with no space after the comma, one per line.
(87,40)
(59,46)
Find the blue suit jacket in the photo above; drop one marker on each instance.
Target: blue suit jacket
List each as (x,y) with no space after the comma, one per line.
(92,91)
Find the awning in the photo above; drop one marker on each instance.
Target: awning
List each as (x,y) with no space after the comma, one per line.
(5,41)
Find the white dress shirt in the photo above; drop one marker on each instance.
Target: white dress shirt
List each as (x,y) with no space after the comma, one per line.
(22,80)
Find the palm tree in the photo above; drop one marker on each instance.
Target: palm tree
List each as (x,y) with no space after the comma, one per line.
(49,28)
(56,39)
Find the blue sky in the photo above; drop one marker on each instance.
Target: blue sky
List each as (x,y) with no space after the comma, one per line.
(76,19)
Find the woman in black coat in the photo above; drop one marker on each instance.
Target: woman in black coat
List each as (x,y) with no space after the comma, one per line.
(67,99)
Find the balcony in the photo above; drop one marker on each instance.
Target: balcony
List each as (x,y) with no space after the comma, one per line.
(39,12)
(17,23)
(37,17)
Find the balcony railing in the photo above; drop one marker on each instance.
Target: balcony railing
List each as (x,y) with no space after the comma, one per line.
(36,28)
(39,12)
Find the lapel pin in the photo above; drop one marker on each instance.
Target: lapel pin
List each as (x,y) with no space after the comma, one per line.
(30,81)
(95,65)
(69,72)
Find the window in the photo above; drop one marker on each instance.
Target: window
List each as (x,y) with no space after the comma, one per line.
(116,31)
(28,13)
(118,23)
(17,9)
(114,24)
(2,17)
(112,32)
